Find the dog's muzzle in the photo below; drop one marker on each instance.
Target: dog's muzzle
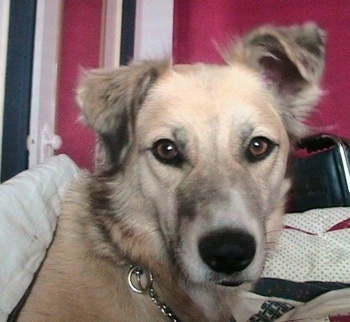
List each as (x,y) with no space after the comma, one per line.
(227,251)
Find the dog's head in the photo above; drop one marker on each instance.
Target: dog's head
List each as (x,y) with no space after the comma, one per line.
(208,144)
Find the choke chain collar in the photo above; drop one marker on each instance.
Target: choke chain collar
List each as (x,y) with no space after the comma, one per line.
(141,282)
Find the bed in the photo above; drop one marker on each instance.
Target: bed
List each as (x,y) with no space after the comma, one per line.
(307,276)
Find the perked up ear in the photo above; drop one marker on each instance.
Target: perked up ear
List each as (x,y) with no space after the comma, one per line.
(291,61)
(110,100)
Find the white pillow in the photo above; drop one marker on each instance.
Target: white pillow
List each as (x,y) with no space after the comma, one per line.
(29,206)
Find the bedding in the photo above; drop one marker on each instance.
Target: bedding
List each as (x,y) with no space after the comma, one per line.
(29,206)
(307,276)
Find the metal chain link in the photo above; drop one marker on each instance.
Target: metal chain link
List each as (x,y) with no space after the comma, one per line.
(136,271)
(162,306)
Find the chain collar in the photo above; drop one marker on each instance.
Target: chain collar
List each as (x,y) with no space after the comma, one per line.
(141,282)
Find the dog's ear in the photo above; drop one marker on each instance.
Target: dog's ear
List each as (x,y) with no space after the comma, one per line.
(291,60)
(110,100)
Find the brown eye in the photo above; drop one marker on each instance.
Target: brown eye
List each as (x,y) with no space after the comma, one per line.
(259,148)
(166,152)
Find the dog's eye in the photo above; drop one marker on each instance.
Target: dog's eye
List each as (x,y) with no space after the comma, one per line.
(259,148)
(166,152)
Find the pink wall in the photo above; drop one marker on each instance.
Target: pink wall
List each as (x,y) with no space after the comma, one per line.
(200,24)
(80,49)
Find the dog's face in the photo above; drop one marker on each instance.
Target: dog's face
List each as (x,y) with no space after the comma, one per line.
(208,145)
(212,158)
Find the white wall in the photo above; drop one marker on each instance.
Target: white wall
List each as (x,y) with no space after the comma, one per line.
(153,29)
(4,22)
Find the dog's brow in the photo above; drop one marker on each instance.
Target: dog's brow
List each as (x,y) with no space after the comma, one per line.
(181,138)
(246,130)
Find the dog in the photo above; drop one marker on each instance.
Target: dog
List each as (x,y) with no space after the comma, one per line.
(191,193)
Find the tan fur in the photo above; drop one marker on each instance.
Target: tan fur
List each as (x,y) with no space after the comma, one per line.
(138,209)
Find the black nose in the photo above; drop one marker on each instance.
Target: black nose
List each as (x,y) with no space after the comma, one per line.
(227,251)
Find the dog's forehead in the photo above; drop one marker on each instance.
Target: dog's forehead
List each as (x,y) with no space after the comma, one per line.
(209,89)
(203,96)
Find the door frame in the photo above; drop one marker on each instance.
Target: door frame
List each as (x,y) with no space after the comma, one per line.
(44,81)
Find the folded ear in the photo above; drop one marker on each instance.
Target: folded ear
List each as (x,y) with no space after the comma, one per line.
(291,61)
(110,100)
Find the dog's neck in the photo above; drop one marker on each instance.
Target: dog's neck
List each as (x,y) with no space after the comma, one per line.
(179,303)
(141,282)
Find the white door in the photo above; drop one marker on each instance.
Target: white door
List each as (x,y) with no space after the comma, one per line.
(41,140)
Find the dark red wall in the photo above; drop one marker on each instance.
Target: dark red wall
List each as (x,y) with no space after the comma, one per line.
(80,49)
(199,24)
